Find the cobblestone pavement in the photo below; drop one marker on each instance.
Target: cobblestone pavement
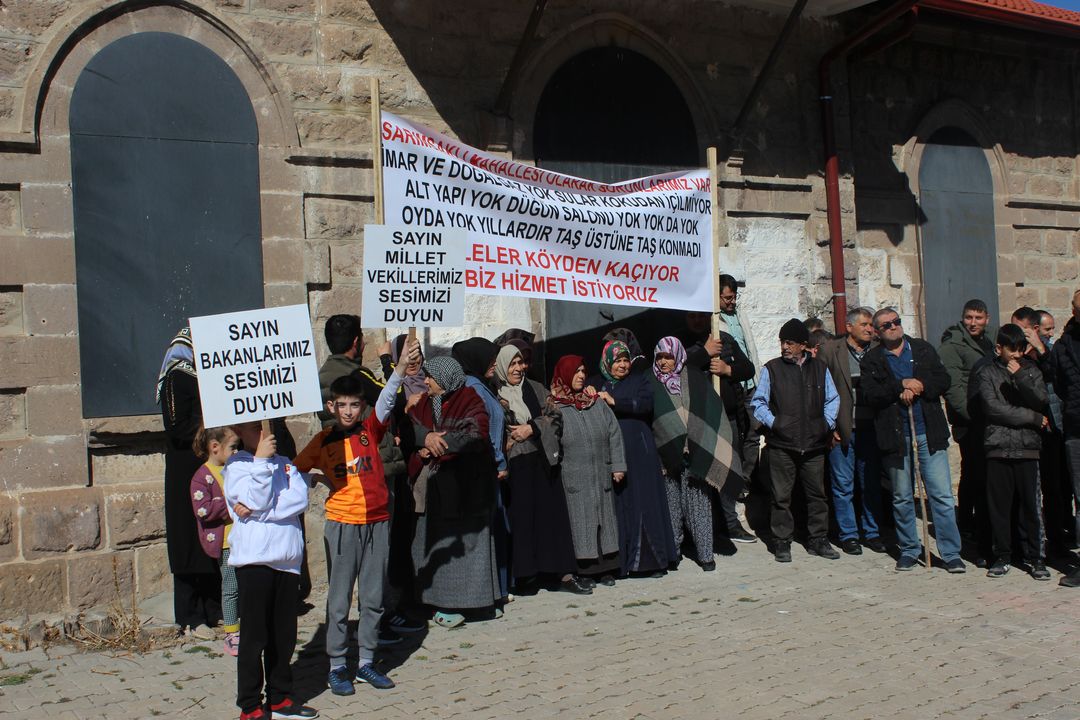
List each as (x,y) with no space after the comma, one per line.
(844,639)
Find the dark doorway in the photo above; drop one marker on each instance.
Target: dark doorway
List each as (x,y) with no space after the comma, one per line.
(165,186)
(956,195)
(610,114)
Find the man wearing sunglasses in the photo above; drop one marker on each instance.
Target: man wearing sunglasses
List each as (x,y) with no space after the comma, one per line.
(904,375)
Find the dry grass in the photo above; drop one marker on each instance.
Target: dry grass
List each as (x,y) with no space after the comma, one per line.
(122,629)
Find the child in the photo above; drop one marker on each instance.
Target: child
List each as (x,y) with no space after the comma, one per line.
(266,496)
(216,446)
(357,520)
(1011,396)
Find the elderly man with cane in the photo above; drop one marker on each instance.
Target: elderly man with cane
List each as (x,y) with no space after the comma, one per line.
(904,375)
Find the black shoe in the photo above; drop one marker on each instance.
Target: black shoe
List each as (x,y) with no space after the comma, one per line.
(1038,571)
(587,582)
(1070,580)
(955,566)
(851,546)
(607,580)
(982,563)
(823,548)
(708,566)
(906,562)
(575,585)
(783,552)
(1000,568)
(874,544)
(739,535)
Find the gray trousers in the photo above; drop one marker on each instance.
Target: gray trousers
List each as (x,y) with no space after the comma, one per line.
(356,555)
(691,506)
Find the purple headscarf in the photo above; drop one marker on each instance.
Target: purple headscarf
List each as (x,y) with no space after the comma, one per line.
(672,380)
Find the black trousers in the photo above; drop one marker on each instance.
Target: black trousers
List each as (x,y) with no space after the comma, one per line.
(1056,490)
(784,467)
(1004,480)
(971,512)
(268,600)
(197,599)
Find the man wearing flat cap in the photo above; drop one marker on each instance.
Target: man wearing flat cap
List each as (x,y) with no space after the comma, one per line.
(797,403)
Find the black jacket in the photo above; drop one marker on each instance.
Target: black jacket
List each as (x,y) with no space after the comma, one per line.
(881,390)
(1064,369)
(731,389)
(1011,406)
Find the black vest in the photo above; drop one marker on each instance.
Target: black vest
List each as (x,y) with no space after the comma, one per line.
(797,399)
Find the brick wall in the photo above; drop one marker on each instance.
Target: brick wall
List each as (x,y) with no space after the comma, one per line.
(74,493)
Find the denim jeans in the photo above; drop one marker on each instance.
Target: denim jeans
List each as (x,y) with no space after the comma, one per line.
(860,461)
(935,475)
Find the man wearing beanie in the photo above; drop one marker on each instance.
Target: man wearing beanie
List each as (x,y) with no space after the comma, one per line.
(796,402)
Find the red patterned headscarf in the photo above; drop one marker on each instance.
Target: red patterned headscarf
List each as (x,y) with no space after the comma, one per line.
(562,382)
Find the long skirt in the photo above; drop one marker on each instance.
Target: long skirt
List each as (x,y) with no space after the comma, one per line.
(456,567)
(691,507)
(540,521)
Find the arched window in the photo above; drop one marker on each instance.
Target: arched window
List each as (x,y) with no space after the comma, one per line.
(959,250)
(610,114)
(165,186)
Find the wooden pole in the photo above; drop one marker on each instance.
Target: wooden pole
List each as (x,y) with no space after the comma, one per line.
(376,149)
(714,204)
(920,485)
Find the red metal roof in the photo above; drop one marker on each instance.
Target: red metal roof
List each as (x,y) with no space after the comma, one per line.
(1027,14)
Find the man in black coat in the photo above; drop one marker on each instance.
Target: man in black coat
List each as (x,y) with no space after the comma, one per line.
(903,380)
(796,402)
(1064,369)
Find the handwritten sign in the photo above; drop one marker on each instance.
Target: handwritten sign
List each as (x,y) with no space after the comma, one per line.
(413,276)
(255,365)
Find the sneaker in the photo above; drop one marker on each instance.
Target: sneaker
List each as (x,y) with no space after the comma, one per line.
(288,710)
(232,644)
(851,546)
(783,552)
(740,535)
(906,562)
(1038,570)
(402,624)
(955,566)
(387,638)
(1000,568)
(256,714)
(368,674)
(201,632)
(340,682)
(874,544)
(822,548)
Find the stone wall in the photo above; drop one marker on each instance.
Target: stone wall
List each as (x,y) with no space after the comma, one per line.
(76,494)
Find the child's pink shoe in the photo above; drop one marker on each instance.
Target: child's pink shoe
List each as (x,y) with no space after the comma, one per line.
(232,643)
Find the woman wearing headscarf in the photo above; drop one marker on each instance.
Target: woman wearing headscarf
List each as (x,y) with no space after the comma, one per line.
(693,437)
(646,541)
(477,358)
(543,545)
(196,579)
(593,460)
(454,491)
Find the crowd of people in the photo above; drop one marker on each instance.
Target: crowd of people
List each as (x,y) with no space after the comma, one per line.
(458,483)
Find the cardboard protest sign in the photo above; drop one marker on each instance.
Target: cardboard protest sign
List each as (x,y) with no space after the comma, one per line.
(537,233)
(413,276)
(255,365)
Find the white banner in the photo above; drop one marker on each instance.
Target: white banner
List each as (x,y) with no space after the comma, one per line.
(413,276)
(255,365)
(537,233)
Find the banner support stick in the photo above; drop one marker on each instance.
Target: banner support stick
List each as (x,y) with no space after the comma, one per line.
(714,203)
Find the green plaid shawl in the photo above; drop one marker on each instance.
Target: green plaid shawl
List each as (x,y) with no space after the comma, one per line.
(695,422)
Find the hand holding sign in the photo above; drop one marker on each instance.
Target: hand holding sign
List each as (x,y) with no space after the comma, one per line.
(410,360)
(267,444)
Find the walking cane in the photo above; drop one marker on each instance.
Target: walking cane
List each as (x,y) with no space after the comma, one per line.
(920,485)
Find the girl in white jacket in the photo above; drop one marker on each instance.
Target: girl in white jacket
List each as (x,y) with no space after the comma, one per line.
(266,495)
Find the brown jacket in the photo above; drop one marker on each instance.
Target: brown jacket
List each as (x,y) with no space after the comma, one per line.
(834,354)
